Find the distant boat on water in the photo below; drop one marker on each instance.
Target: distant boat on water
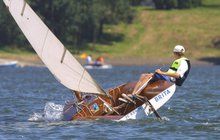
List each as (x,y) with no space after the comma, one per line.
(8,63)
(104,66)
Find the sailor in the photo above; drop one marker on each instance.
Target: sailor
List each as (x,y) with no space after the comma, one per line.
(179,69)
(78,96)
(72,107)
(177,73)
(100,61)
(83,98)
(89,60)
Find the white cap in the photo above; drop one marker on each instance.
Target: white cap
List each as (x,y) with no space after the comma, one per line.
(179,49)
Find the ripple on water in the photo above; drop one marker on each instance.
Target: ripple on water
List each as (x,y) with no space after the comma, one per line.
(192,113)
(52,112)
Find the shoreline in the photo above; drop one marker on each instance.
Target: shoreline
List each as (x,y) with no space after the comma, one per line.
(152,62)
(35,61)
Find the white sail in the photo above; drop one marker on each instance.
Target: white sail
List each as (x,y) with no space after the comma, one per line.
(59,61)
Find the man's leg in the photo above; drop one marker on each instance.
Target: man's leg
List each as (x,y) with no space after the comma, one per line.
(78,96)
(142,83)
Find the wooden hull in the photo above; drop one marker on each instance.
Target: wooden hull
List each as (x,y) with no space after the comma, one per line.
(157,92)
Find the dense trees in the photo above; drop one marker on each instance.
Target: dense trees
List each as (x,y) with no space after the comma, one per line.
(180,4)
(78,21)
(136,2)
(73,21)
(8,29)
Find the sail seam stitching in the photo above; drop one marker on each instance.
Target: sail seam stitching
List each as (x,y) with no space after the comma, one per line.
(86,79)
(77,72)
(81,78)
(44,43)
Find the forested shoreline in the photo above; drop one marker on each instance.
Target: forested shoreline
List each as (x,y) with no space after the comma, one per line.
(74,22)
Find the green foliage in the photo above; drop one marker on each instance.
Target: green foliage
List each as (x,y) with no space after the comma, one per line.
(73,21)
(152,33)
(170,4)
(136,2)
(180,4)
(8,28)
(184,4)
(159,4)
(196,3)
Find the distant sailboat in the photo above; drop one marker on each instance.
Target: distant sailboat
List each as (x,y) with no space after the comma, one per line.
(114,104)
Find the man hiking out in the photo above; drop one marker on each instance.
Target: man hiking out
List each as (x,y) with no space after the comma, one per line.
(177,73)
(179,69)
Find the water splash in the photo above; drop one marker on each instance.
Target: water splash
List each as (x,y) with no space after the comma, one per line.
(36,117)
(165,118)
(52,112)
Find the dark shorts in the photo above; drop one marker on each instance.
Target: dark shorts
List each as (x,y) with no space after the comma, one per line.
(162,77)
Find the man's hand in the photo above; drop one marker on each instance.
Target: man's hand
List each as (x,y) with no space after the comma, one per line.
(158,71)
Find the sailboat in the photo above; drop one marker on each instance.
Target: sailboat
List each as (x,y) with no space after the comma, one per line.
(92,102)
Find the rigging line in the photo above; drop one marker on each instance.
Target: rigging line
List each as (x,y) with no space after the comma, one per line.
(44,42)
(91,82)
(107,94)
(108,105)
(82,110)
(80,74)
(79,111)
(82,103)
(87,109)
(71,68)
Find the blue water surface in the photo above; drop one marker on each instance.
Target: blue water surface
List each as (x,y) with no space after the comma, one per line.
(27,95)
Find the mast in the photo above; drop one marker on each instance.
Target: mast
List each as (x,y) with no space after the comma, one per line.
(65,68)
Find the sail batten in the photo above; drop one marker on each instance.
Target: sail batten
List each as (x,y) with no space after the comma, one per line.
(24,5)
(52,52)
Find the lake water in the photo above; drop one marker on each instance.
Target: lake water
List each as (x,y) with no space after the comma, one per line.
(31,101)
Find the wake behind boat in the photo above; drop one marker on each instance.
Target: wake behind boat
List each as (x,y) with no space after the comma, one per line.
(92,101)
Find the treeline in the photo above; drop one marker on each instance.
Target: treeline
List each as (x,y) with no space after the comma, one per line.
(73,21)
(177,4)
(76,22)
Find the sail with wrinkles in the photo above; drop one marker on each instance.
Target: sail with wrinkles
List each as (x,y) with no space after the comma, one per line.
(52,52)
